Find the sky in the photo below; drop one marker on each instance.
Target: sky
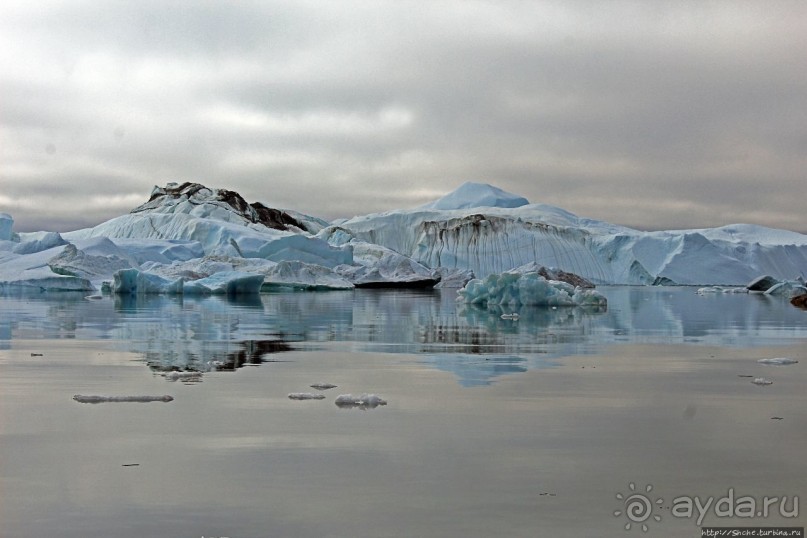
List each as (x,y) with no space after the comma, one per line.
(655,115)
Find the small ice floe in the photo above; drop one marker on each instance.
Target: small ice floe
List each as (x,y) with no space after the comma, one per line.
(305,396)
(778,361)
(183,376)
(94,297)
(102,399)
(323,386)
(365,401)
(514,316)
(719,289)
(761,381)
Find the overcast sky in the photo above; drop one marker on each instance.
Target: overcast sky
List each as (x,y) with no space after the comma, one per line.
(649,114)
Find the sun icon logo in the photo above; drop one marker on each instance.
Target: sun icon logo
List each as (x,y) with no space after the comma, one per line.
(638,507)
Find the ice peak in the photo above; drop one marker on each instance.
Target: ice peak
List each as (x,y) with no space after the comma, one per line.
(190,196)
(472,194)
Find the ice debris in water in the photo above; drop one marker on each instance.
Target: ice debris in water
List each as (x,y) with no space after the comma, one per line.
(306,396)
(778,361)
(761,381)
(720,289)
(323,386)
(364,401)
(101,399)
(514,316)
(184,376)
(513,289)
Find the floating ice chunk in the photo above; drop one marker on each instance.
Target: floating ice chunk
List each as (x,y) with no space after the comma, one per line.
(102,399)
(720,289)
(514,316)
(778,361)
(788,288)
(94,297)
(306,396)
(137,282)
(225,282)
(323,386)
(184,376)
(513,289)
(364,401)
(761,381)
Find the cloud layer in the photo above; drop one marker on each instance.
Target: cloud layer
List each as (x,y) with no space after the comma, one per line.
(684,114)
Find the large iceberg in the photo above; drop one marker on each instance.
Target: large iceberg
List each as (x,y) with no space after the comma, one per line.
(222,223)
(190,232)
(486,238)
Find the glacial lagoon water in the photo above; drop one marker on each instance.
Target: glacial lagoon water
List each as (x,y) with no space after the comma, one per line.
(540,426)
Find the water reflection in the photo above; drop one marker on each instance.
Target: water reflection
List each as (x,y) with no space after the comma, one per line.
(225,333)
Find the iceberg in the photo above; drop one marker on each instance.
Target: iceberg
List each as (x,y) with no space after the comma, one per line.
(528,289)
(137,282)
(190,233)
(787,288)
(225,282)
(222,223)
(490,239)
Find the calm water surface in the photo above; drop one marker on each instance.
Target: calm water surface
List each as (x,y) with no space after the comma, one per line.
(493,427)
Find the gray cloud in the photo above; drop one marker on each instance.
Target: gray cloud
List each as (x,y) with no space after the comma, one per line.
(654,116)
